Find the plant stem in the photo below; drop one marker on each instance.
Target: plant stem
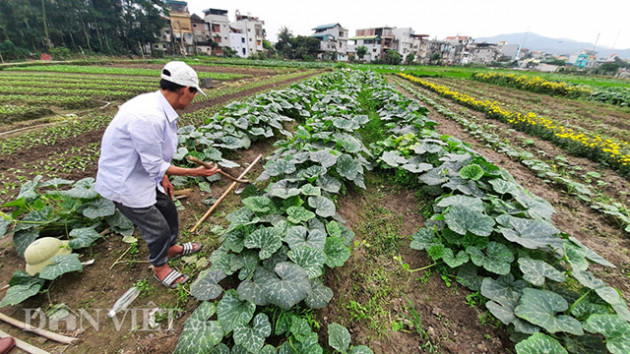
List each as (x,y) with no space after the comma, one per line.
(578,300)
(423,268)
(119,258)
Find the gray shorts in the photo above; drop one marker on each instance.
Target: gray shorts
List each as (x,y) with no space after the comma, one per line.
(158,224)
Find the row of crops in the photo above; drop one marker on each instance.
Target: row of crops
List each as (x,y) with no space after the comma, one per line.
(496,236)
(619,96)
(594,147)
(548,173)
(488,229)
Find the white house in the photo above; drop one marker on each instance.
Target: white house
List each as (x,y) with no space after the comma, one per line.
(252,29)
(334,40)
(219,27)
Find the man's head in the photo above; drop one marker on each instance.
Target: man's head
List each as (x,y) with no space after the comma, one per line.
(180,79)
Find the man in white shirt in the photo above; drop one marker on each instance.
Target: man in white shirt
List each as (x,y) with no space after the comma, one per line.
(135,163)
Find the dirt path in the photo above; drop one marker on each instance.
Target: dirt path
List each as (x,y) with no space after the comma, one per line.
(571,216)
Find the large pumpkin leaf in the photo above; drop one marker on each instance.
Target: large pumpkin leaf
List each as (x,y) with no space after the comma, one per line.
(540,343)
(614,298)
(475,204)
(535,271)
(348,168)
(309,189)
(329,184)
(253,337)
(497,258)
(61,264)
(22,287)
(252,290)
(590,254)
(423,239)
(258,204)
(320,295)
(82,189)
(99,208)
(207,287)
(200,335)
(462,220)
(324,157)
(454,261)
(615,329)
(279,167)
(289,287)
(532,234)
(268,239)
(232,312)
(336,252)
(298,214)
(300,236)
(540,307)
(338,337)
(504,293)
(472,172)
(83,237)
(323,206)
(393,158)
(312,260)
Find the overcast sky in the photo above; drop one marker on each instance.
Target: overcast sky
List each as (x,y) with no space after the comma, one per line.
(577,20)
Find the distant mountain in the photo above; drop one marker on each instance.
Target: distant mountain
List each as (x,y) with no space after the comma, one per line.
(533,41)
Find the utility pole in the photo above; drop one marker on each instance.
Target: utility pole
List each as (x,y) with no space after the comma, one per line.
(596,40)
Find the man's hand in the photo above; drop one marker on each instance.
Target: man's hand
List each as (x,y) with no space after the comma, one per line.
(205,172)
(168,186)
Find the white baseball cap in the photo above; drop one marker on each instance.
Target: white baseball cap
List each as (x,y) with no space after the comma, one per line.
(181,74)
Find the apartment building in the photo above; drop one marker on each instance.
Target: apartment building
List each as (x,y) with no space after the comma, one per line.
(334,41)
(248,33)
(219,25)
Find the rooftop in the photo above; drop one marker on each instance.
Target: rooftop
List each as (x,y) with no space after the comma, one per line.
(325,27)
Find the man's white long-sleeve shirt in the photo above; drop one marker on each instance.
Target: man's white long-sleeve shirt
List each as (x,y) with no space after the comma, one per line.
(136,150)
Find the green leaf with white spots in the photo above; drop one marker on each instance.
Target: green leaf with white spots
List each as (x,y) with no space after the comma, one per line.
(289,287)
(298,214)
(535,271)
(200,335)
(462,220)
(23,286)
(496,258)
(348,168)
(539,343)
(312,260)
(472,172)
(310,190)
(454,261)
(258,204)
(320,295)
(61,264)
(532,234)
(475,204)
(252,337)
(615,329)
(324,157)
(299,235)
(338,337)
(99,208)
(541,307)
(268,239)
(323,206)
(336,252)
(232,312)
(207,287)
(83,237)
(329,184)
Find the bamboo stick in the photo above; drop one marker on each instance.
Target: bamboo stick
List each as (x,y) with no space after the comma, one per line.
(23,345)
(41,332)
(227,191)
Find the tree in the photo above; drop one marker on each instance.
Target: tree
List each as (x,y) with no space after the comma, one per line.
(228,52)
(410,58)
(392,57)
(361,51)
(305,48)
(283,46)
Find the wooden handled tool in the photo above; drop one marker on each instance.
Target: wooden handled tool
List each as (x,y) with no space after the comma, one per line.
(225,194)
(207,165)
